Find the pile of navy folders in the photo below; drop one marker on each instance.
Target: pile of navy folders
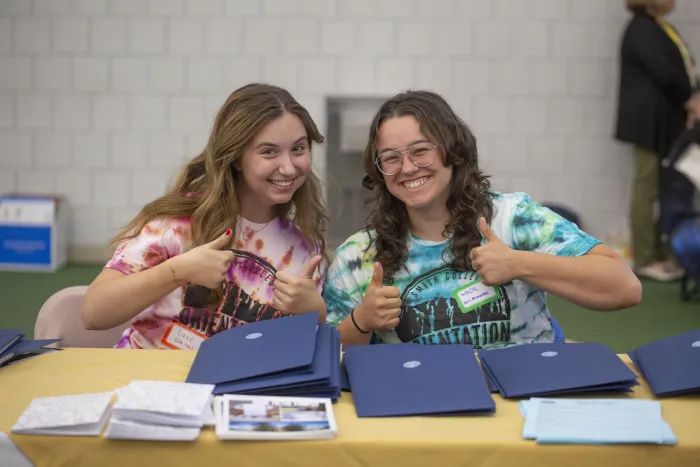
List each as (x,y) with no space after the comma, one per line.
(405,380)
(671,365)
(294,356)
(15,347)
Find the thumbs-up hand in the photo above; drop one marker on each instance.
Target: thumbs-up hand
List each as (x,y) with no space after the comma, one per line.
(493,261)
(206,264)
(381,305)
(298,294)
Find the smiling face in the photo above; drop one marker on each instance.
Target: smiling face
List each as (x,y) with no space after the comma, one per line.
(273,166)
(418,187)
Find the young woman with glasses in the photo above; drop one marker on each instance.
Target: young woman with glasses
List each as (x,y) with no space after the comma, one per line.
(447,260)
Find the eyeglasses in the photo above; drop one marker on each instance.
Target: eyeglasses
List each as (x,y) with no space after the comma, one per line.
(420,155)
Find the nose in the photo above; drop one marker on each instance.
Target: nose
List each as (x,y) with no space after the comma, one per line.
(407,167)
(286,166)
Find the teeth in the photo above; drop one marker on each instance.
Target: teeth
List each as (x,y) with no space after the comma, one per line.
(282,183)
(413,184)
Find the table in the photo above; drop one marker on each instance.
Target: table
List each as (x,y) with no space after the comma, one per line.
(483,441)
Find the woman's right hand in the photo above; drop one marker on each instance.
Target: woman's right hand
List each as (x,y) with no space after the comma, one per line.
(206,264)
(380,307)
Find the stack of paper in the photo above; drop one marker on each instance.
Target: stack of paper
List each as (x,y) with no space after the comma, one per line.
(595,421)
(547,369)
(407,379)
(161,411)
(671,366)
(14,347)
(74,415)
(291,356)
(273,418)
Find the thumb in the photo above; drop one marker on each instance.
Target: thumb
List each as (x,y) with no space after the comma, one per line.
(221,243)
(486,231)
(311,267)
(378,276)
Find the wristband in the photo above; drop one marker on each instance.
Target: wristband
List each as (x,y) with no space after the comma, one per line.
(352,316)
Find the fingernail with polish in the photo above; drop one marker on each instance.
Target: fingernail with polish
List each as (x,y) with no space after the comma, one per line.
(228,232)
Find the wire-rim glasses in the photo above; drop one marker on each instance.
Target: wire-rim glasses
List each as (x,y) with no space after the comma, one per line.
(422,154)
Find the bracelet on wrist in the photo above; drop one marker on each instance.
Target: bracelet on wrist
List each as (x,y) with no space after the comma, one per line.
(352,317)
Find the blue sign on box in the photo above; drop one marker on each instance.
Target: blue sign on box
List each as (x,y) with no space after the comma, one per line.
(32,233)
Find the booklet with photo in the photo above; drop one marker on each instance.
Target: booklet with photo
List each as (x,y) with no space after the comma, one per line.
(273,418)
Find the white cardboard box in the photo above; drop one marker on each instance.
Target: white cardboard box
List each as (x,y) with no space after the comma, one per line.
(33,232)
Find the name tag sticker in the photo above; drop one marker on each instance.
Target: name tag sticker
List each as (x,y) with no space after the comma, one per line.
(181,337)
(474,295)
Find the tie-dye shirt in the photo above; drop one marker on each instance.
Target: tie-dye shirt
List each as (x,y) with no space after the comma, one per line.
(443,306)
(180,320)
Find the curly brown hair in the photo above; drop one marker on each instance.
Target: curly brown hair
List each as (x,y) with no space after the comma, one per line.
(205,189)
(469,192)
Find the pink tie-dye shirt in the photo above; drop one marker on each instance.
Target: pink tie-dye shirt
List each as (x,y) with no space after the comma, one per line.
(179,320)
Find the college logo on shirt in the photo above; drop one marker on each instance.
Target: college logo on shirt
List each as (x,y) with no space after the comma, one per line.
(444,306)
(239,306)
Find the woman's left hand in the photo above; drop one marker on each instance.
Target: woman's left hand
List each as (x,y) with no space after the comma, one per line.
(298,294)
(494,262)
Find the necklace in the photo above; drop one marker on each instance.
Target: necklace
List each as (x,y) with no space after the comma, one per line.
(246,234)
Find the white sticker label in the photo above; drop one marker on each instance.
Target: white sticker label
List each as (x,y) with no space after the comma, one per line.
(180,337)
(474,295)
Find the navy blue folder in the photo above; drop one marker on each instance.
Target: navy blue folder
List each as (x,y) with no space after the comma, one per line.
(8,337)
(671,365)
(552,369)
(15,347)
(320,372)
(263,348)
(405,379)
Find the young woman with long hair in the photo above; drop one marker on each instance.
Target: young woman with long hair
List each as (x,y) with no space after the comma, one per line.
(445,259)
(238,238)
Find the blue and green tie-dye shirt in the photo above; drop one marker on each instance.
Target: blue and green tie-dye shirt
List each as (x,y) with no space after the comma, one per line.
(443,306)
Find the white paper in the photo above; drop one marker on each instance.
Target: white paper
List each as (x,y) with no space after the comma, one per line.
(594,421)
(77,415)
(689,164)
(11,456)
(119,428)
(165,403)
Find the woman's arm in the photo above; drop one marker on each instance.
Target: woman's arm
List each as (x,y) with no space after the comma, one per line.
(599,280)
(349,335)
(146,269)
(114,298)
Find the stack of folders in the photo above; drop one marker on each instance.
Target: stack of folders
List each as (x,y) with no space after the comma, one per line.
(161,411)
(406,379)
(292,356)
(671,366)
(549,369)
(595,421)
(14,347)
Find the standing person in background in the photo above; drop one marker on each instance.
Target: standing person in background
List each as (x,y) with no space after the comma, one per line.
(657,99)
(238,238)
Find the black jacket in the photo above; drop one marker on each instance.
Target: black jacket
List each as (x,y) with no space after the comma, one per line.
(654,86)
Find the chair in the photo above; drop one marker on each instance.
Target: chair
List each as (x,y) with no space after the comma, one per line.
(59,318)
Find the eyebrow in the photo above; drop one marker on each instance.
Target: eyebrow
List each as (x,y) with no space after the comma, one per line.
(409,145)
(264,143)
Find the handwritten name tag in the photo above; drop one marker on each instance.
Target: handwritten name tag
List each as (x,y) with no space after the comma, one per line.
(474,295)
(181,337)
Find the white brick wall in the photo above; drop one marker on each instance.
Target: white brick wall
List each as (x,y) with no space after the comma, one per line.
(102,100)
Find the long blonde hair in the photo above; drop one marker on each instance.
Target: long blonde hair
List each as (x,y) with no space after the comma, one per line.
(205,190)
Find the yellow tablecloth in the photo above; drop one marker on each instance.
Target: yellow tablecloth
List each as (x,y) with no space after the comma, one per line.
(494,440)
